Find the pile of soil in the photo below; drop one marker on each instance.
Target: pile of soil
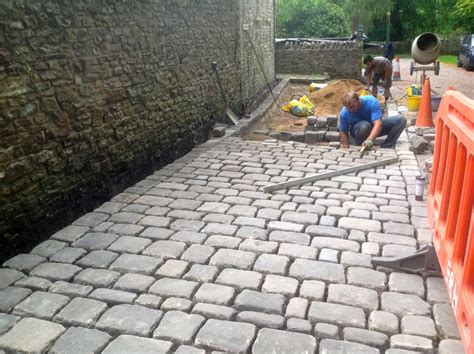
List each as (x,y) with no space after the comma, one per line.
(327,101)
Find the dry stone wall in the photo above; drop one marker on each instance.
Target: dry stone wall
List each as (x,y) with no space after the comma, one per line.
(96,94)
(335,59)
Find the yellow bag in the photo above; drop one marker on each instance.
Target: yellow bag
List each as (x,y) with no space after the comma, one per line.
(301,108)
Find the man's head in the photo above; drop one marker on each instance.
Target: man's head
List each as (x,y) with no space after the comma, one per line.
(351,101)
(369,61)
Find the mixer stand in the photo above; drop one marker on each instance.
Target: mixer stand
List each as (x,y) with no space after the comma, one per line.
(415,68)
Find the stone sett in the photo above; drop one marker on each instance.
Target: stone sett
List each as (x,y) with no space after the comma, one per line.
(129,319)
(214,311)
(31,335)
(81,312)
(178,327)
(226,336)
(79,339)
(276,341)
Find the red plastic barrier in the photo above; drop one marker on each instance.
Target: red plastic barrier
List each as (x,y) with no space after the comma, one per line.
(451,206)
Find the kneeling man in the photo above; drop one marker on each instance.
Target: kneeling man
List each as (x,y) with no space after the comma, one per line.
(362,118)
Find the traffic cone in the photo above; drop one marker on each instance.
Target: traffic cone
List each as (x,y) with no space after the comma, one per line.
(425,113)
(396,70)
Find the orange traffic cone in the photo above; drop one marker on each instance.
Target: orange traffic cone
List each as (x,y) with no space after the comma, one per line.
(396,70)
(425,113)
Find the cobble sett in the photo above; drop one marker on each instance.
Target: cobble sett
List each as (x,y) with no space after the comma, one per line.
(197,257)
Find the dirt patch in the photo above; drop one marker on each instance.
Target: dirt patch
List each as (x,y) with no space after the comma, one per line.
(327,102)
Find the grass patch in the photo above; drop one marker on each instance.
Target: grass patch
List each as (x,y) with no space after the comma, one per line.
(448,59)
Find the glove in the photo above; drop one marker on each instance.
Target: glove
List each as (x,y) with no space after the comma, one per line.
(369,144)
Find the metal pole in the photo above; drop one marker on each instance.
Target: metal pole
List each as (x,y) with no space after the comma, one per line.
(387,38)
(314,178)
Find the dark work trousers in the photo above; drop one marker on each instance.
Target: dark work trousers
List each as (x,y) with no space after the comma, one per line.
(391,126)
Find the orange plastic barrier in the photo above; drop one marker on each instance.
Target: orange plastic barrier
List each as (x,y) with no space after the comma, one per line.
(451,206)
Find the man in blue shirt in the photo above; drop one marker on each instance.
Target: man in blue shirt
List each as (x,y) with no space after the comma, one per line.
(362,118)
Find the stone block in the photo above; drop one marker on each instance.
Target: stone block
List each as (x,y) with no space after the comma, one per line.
(340,315)
(133,263)
(326,231)
(419,326)
(275,341)
(41,304)
(97,259)
(315,270)
(215,294)
(436,290)
(56,271)
(233,259)
(176,304)
(298,325)
(384,322)
(78,339)
(270,263)
(280,285)
(337,346)
(366,299)
(290,237)
(450,346)
(81,312)
(406,283)
(95,240)
(129,319)
(24,262)
(113,297)
(172,269)
(261,302)
(332,136)
(31,335)
(326,331)
(409,342)
(261,319)
(173,287)
(11,296)
(178,327)
(214,311)
(240,279)
(335,244)
(131,344)
(445,321)
(134,283)
(7,322)
(96,277)
(363,336)
(226,336)
(404,304)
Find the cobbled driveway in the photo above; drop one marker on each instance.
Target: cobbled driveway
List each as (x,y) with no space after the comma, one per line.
(196,258)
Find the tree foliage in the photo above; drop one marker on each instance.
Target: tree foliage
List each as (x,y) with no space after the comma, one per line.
(310,18)
(408,19)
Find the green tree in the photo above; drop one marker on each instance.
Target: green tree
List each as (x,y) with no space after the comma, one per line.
(310,18)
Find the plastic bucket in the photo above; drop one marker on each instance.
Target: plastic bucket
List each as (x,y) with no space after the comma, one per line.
(413,103)
(435,100)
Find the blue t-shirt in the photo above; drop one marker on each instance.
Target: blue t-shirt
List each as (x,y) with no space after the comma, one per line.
(369,111)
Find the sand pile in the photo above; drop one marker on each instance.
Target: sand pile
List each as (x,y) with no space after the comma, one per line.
(327,101)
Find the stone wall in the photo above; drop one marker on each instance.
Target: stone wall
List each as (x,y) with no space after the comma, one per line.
(448,46)
(335,59)
(96,94)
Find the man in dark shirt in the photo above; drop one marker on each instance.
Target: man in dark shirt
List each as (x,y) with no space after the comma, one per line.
(378,68)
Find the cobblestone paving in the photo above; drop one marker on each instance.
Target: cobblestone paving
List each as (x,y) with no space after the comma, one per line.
(196,258)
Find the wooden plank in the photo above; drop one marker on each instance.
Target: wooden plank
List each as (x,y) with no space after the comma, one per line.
(314,178)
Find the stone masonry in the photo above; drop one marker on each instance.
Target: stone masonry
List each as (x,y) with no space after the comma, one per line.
(336,59)
(96,95)
(195,258)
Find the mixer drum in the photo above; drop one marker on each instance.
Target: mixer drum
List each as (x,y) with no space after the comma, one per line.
(425,48)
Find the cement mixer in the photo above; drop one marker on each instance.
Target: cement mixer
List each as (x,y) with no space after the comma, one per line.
(425,49)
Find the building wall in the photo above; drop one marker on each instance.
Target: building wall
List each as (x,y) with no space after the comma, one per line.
(96,94)
(334,59)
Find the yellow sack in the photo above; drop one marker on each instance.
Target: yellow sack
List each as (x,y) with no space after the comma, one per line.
(301,108)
